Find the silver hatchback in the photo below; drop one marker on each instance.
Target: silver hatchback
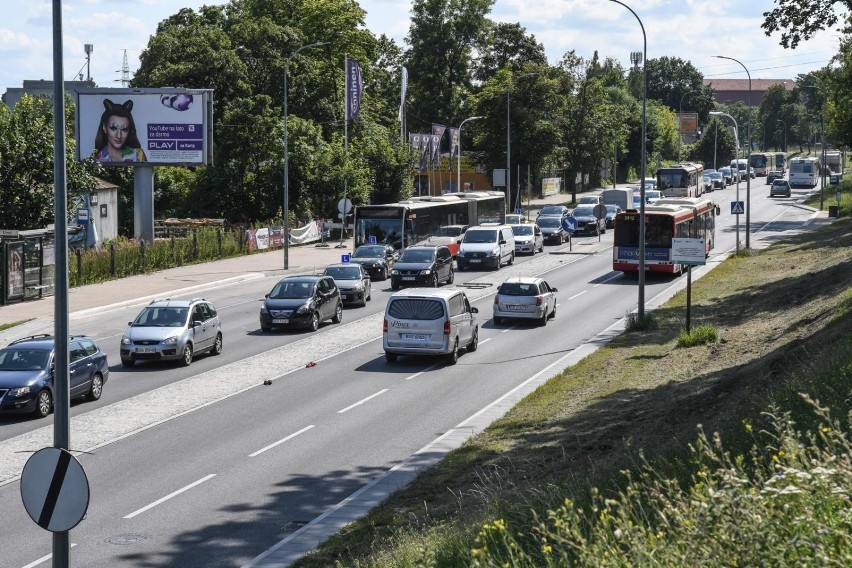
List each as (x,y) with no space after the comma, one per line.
(172,330)
(525,297)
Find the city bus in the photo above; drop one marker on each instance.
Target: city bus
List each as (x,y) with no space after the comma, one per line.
(687,217)
(761,163)
(781,162)
(681,180)
(415,220)
(804,172)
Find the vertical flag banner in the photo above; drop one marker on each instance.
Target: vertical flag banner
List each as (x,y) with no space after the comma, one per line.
(437,137)
(403,92)
(435,147)
(354,89)
(454,146)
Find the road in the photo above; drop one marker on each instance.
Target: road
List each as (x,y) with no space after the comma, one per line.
(205,466)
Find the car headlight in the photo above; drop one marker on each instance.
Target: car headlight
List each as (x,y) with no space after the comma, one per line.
(358,287)
(305,308)
(375,265)
(426,272)
(394,271)
(461,253)
(263,310)
(21,391)
(170,340)
(125,340)
(494,252)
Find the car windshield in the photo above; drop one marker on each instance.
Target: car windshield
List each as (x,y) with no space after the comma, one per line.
(369,252)
(652,194)
(549,222)
(448,232)
(583,212)
(292,290)
(716,175)
(480,236)
(612,209)
(551,210)
(23,359)
(779,182)
(162,316)
(417,256)
(522,229)
(588,199)
(343,272)
(518,289)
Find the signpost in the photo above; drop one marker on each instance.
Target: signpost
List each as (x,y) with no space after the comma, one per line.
(690,252)
(600,213)
(54,489)
(344,206)
(737,207)
(569,225)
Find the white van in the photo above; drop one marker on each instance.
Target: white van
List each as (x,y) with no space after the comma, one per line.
(429,321)
(486,245)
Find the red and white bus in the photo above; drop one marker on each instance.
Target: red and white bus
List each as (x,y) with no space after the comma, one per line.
(681,180)
(761,162)
(687,217)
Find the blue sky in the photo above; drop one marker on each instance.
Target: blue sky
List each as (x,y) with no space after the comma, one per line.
(693,30)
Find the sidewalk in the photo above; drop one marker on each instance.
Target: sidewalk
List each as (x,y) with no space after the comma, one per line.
(192,279)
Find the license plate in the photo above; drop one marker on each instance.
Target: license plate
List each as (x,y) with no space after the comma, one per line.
(515,308)
(415,336)
(280,321)
(344,296)
(408,277)
(475,260)
(146,349)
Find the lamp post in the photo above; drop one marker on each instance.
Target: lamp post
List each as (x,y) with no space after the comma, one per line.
(286,157)
(822,140)
(458,160)
(785,133)
(641,310)
(509,135)
(748,137)
(679,127)
(736,154)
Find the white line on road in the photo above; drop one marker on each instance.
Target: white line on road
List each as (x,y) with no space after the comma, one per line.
(360,402)
(169,496)
(577,295)
(510,328)
(613,277)
(281,441)
(44,558)
(426,370)
(481,341)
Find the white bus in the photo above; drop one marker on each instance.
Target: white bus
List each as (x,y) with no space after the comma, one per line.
(804,172)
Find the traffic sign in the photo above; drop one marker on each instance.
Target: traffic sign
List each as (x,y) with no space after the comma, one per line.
(599,211)
(54,489)
(371,239)
(518,211)
(835,179)
(569,224)
(344,205)
(737,207)
(344,257)
(82,216)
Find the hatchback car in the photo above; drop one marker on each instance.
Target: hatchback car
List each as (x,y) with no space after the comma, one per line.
(423,265)
(587,222)
(525,297)
(554,211)
(772,175)
(27,373)
(590,200)
(352,280)
(528,238)
(780,187)
(172,330)
(729,174)
(376,259)
(552,231)
(301,301)
(718,180)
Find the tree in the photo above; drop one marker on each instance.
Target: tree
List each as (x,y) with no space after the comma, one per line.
(798,20)
(671,80)
(509,45)
(716,147)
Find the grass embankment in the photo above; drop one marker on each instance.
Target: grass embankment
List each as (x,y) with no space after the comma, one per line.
(608,463)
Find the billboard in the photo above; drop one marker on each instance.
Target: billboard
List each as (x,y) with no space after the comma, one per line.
(127,127)
(687,122)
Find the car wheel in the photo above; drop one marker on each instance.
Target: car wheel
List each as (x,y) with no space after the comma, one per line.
(217,345)
(265,328)
(390,357)
(553,313)
(384,274)
(543,321)
(511,259)
(496,320)
(435,282)
(394,286)
(541,248)
(474,341)
(44,404)
(314,325)
(453,357)
(128,362)
(97,388)
(451,278)
(187,355)
(338,314)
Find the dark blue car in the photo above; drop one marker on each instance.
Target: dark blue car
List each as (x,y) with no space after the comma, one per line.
(27,369)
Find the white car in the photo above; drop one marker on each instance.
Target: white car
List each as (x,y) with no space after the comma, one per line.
(528,238)
(525,297)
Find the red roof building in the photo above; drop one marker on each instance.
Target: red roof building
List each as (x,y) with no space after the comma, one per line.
(729,91)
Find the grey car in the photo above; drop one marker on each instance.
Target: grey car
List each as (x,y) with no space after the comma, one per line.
(587,222)
(525,297)
(528,238)
(352,280)
(172,330)
(780,187)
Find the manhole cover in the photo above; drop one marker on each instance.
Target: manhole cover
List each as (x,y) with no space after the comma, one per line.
(125,539)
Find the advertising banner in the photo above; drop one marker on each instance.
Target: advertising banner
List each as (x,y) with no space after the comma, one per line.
(123,127)
(14,271)
(688,122)
(550,186)
(354,89)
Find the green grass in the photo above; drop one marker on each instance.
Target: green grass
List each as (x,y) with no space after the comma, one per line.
(5,326)
(701,335)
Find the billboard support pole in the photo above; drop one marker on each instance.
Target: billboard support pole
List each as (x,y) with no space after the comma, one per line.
(143,203)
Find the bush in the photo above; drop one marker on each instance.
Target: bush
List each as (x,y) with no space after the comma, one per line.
(646,323)
(700,335)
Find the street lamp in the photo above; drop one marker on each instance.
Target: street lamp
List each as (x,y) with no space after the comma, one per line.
(822,140)
(736,154)
(458,160)
(679,127)
(509,136)
(785,133)
(641,311)
(286,157)
(748,167)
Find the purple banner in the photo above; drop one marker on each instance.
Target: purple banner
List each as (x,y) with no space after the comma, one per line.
(651,254)
(354,89)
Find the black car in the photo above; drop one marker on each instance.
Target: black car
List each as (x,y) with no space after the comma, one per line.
(352,280)
(376,259)
(552,231)
(554,211)
(423,265)
(301,301)
(26,373)
(587,222)
(611,212)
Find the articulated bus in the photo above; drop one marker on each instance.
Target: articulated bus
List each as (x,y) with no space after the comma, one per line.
(804,172)
(664,220)
(781,162)
(681,180)
(761,163)
(415,220)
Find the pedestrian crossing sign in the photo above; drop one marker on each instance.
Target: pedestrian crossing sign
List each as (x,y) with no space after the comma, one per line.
(737,208)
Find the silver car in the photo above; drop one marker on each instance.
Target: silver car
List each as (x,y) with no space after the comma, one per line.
(525,297)
(528,238)
(172,330)
(352,280)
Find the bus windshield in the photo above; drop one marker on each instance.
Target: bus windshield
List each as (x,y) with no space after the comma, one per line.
(668,180)
(658,231)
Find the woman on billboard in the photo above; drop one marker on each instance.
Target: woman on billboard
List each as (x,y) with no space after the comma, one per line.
(116,140)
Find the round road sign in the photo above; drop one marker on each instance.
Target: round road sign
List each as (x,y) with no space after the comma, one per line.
(599,211)
(54,489)
(344,205)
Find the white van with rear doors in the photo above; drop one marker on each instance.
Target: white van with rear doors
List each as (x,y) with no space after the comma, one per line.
(429,321)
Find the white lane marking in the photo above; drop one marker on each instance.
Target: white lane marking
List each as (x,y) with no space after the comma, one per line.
(426,370)
(577,295)
(44,558)
(281,441)
(362,401)
(481,341)
(510,328)
(170,495)
(613,277)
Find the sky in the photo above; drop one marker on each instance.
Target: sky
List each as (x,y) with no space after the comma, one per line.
(693,30)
